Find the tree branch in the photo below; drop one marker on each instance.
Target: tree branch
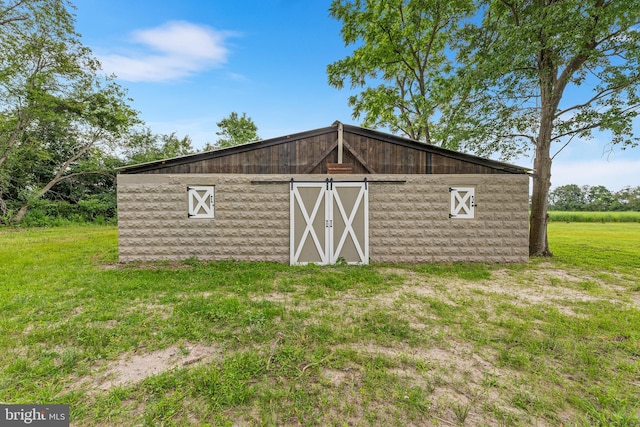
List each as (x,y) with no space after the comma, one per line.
(519,135)
(21,125)
(513,10)
(575,131)
(603,93)
(71,175)
(65,165)
(578,61)
(564,146)
(9,9)
(19,18)
(592,125)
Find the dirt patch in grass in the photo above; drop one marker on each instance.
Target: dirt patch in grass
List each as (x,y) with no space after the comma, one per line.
(164,311)
(457,360)
(278,297)
(635,298)
(187,295)
(133,368)
(540,287)
(418,283)
(532,292)
(337,377)
(459,382)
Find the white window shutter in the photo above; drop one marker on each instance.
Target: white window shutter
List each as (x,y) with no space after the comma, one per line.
(463,202)
(201,201)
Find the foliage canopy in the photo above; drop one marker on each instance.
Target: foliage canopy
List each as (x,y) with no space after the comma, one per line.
(594,198)
(59,118)
(400,62)
(496,77)
(236,130)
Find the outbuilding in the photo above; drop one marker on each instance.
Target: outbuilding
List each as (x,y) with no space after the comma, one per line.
(336,194)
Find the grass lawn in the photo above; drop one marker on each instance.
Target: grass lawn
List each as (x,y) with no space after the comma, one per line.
(551,342)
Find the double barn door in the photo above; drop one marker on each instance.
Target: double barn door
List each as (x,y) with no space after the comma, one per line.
(329,222)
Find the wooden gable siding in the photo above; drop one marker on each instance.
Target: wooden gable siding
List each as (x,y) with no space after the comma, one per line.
(391,158)
(347,157)
(310,154)
(290,157)
(384,157)
(447,165)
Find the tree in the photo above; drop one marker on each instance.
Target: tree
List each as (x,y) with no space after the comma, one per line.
(594,198)
(55,110)
(628,199)
(598,198)
(567,198)
(235,130)
(145,146)
(515,62)
(529,55)
(403,45)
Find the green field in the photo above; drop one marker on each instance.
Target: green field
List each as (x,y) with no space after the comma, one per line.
(625,216)
(551,342)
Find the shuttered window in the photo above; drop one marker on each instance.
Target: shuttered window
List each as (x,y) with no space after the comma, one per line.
(201,201)
(463,202)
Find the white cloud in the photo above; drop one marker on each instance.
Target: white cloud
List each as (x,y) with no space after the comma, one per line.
(171,51)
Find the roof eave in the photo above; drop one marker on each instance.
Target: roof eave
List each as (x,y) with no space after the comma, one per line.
(176,161)
(394,139)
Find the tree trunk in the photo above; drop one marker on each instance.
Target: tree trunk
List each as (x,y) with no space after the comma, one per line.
(3,210)
(59,177)
(549,98)
(538,243)
(20,214)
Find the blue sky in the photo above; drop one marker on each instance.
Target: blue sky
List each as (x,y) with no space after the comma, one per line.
(187,64)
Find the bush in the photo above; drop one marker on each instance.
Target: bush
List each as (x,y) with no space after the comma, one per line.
(96,208)
(98,205)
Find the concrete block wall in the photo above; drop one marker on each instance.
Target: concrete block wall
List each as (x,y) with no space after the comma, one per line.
(251,220)
(408,222)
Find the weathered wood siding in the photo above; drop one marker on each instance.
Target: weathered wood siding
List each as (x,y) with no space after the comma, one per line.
(310,155)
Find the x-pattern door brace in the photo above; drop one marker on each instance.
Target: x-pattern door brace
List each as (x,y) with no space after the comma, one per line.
(348,224)
(309,220)
(327,202)
(462,202)
(200,201)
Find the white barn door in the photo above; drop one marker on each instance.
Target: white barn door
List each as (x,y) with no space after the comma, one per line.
(349,222)
(309,224)
(329,222)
